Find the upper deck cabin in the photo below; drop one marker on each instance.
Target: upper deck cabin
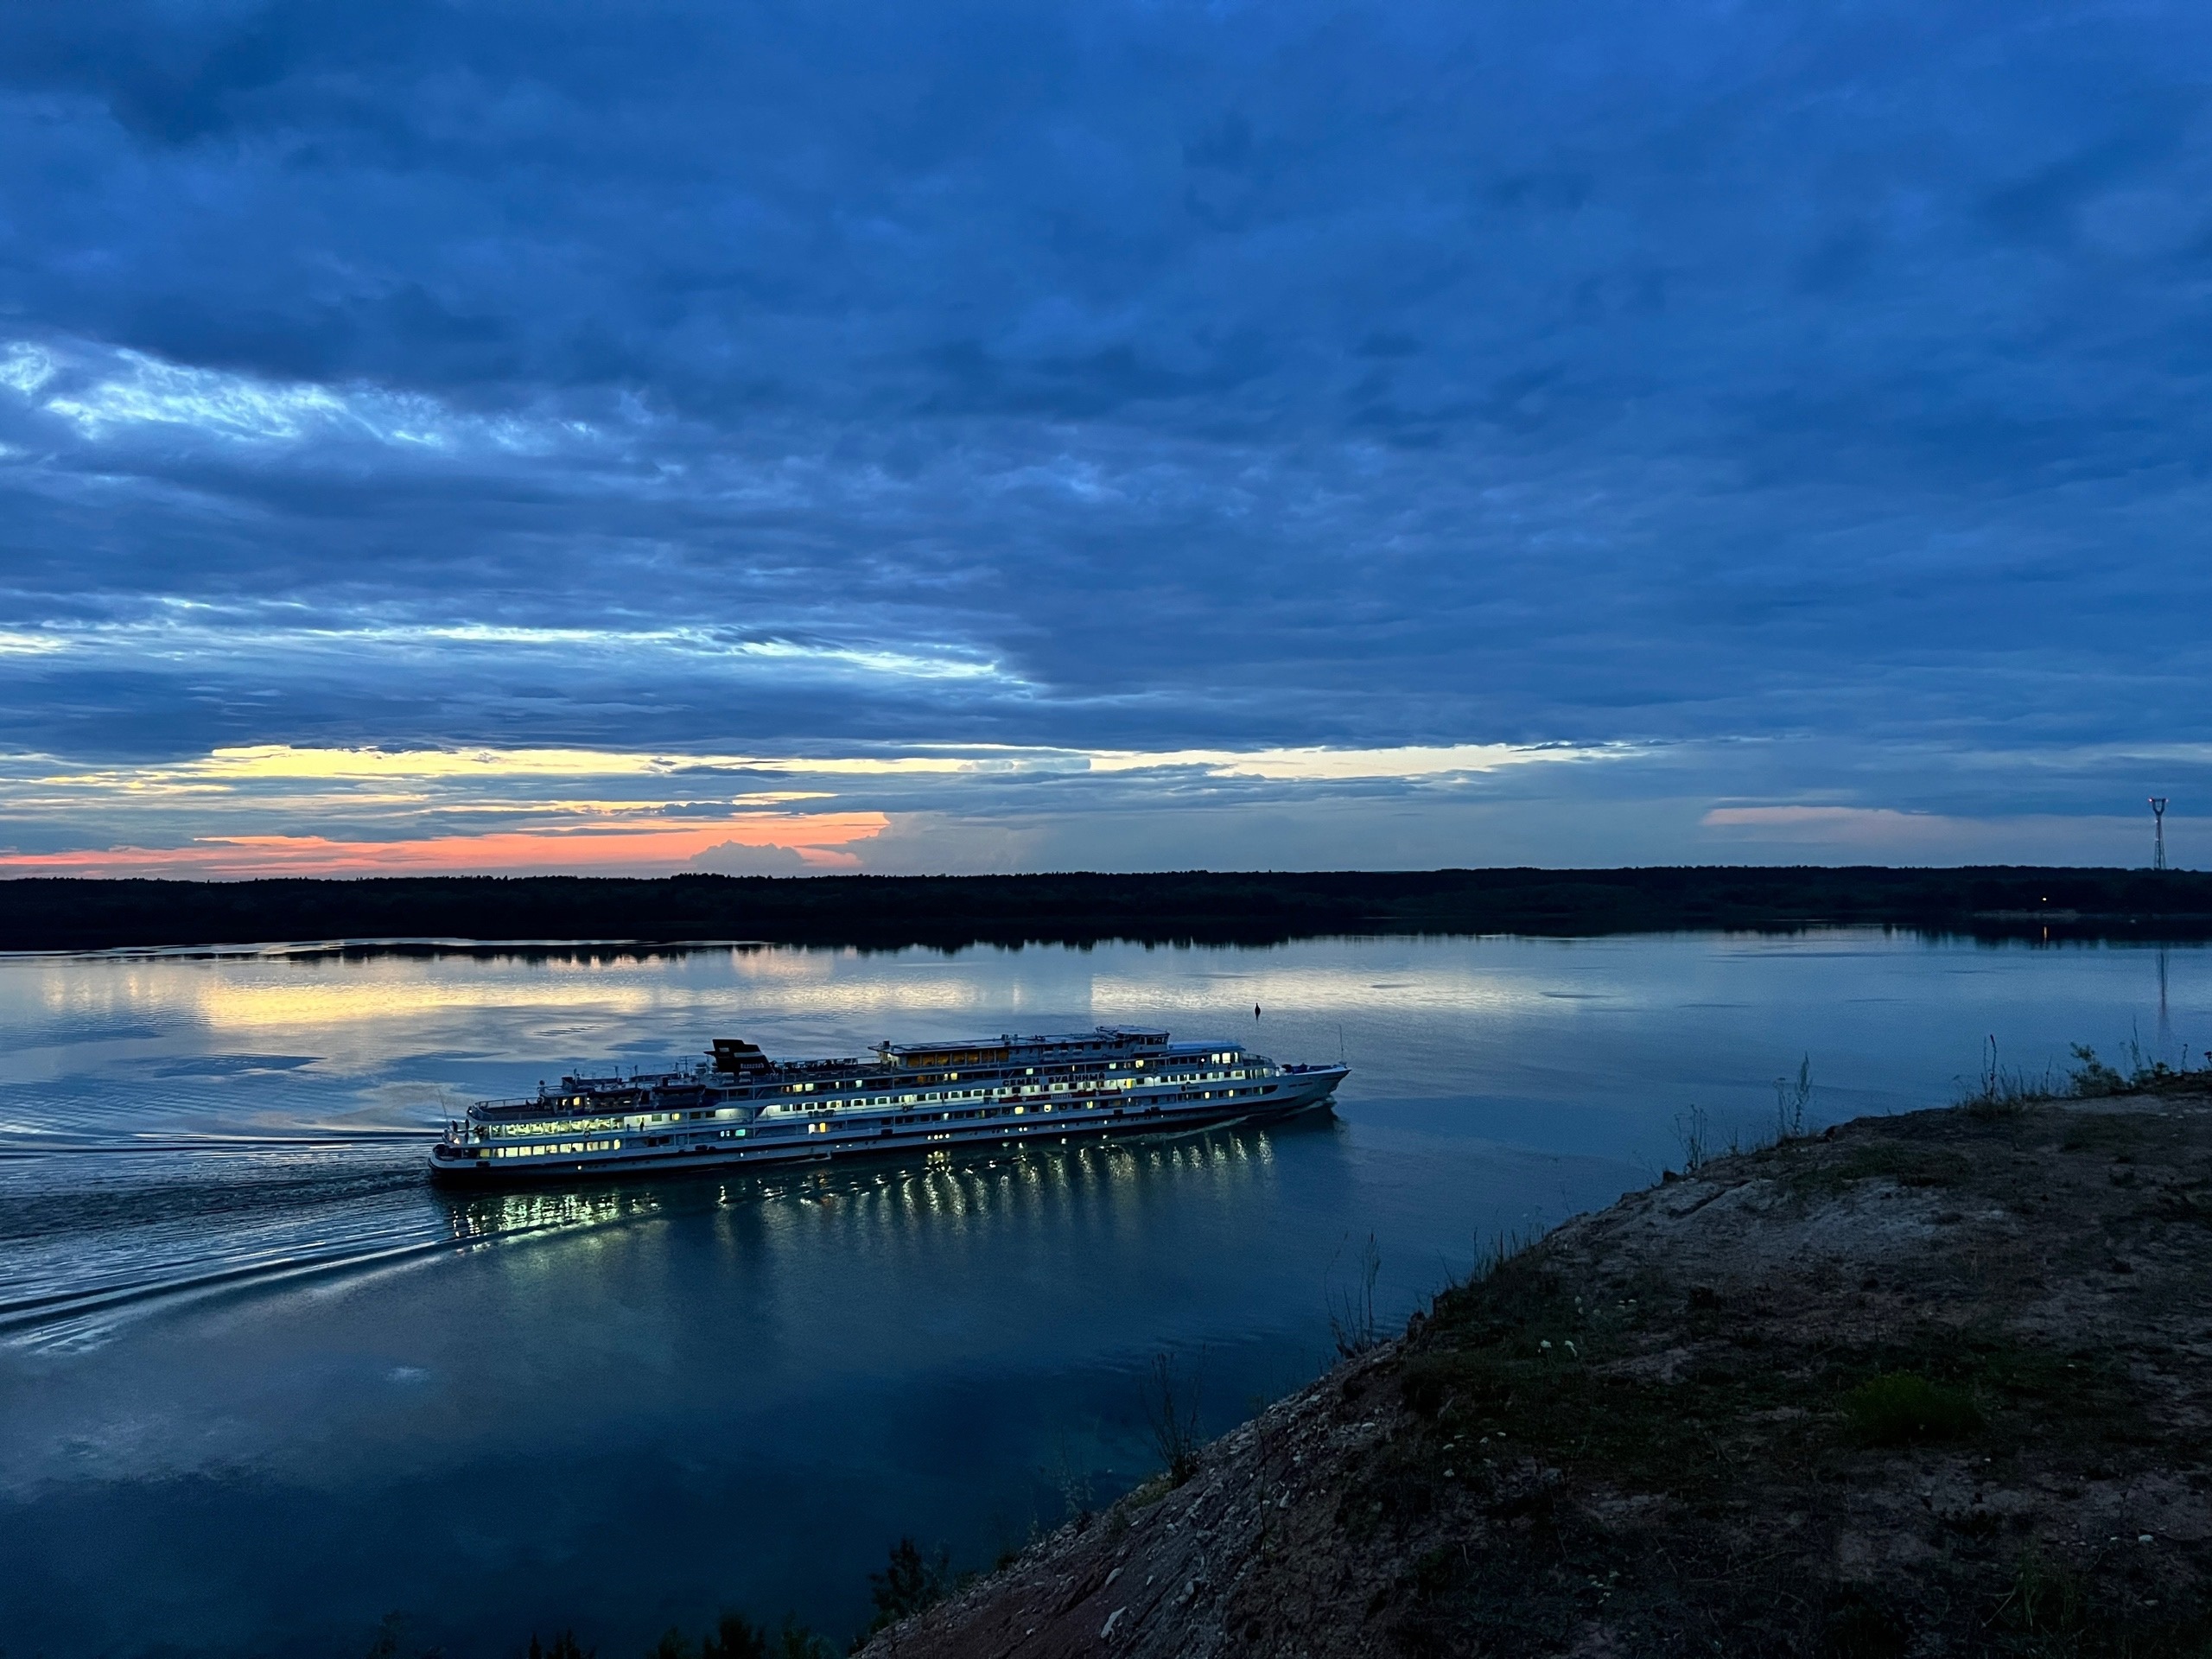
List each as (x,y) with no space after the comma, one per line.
(1107,1043)
(979,1060)
(738,1071)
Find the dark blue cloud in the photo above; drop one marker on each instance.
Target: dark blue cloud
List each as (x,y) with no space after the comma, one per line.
(1129,375)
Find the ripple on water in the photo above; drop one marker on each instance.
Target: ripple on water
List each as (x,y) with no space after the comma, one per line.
(89,1233)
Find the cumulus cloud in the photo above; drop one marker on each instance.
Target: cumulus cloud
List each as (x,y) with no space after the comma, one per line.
(733,858)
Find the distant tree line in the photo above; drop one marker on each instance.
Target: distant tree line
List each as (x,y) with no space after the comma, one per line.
(1197,906)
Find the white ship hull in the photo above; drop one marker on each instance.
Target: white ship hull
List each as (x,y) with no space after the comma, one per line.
(745,1112)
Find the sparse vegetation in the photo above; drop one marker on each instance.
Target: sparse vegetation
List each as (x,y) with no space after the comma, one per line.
(1502,1248)
(394,1640)
(2091,1078)
(1072,1481)
(909,1583)
(1792,1099)
(795,1641)
(1693,1132)
(1908,1163)
(1170,1400)
(1906,1408)
(1998,1092)
(2046,1604)
(735,1636)
(1858,1626)
(1351,1313)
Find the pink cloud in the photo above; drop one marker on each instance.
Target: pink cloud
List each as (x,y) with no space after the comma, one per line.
(818,839)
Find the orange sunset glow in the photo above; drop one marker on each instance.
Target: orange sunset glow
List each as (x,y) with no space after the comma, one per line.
(646,848)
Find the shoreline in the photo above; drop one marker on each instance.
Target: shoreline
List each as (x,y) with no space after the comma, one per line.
(47,914)
(1934,1384)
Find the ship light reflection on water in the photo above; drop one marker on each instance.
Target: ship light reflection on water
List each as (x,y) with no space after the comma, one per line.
(1113,1180)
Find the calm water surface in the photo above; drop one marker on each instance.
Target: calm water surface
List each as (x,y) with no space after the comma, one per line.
(260,1384)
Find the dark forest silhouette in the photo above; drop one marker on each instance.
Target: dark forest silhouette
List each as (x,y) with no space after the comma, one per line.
(948,912)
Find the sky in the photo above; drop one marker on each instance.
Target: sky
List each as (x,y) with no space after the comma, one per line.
(780,438)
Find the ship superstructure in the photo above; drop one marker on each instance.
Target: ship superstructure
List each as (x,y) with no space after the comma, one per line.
(739,1106)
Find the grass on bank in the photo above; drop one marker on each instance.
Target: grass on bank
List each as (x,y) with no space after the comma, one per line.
(2001,1091)
(1506,1377)
(1906,1408)
(1507,1374)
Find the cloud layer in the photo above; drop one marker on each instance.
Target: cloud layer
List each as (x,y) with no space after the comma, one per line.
(1158,408)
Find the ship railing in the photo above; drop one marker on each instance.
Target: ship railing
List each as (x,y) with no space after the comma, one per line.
(519,1106)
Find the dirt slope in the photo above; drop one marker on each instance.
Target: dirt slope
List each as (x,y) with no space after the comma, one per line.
(1931,1384)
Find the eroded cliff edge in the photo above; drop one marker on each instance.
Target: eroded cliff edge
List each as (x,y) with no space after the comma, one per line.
(1928,1384)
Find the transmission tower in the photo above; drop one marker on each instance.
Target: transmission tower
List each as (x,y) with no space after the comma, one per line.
(2159,834)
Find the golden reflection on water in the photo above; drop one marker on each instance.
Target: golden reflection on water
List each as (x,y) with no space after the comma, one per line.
(1113,1180)
(1461,986)
(487,1216)
(295,995)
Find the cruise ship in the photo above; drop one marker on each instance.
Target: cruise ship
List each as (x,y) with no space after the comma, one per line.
(740,1107)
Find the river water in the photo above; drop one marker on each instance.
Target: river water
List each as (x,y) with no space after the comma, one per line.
(260,1385)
